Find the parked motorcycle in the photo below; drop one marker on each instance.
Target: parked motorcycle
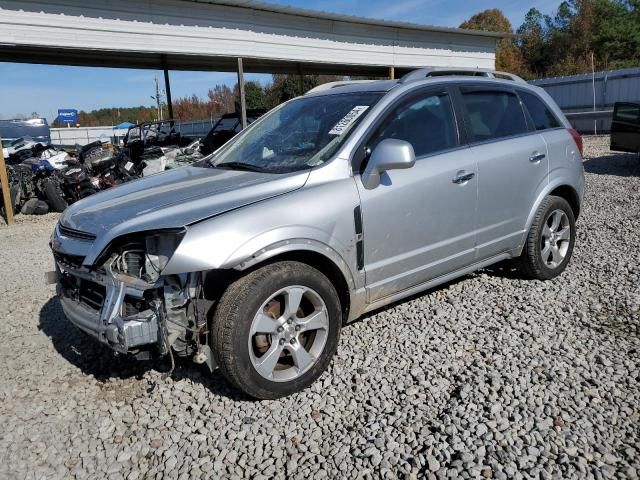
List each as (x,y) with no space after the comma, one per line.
(47,185)
(77,183)
(107,168)
(57,179)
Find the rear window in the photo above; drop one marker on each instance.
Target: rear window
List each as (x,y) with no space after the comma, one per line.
(543,118)
(493,114)
(625,112)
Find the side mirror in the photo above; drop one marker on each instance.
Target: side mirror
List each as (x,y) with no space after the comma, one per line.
(389,154)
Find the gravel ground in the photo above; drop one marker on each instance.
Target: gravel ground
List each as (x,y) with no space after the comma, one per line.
(491,376)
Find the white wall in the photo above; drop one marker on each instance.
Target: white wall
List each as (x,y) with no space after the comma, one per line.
(83,135)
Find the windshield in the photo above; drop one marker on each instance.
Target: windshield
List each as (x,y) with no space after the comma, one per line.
(298,135)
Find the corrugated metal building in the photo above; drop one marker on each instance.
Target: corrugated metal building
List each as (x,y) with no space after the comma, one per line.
(576,94)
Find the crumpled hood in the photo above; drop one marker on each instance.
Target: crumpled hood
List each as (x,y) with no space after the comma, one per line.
(174,198)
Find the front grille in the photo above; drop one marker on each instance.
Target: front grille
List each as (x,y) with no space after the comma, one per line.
(68,261)
(92,294)
(73,233)
(69,285)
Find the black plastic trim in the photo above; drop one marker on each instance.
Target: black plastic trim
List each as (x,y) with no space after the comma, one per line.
(357,221)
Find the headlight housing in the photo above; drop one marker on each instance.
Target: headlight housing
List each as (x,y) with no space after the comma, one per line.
(159,248)
(143,255)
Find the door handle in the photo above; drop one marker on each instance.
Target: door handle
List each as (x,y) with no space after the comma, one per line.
(536,157)
(463,177)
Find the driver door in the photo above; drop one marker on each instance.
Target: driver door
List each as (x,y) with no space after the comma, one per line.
(419,223)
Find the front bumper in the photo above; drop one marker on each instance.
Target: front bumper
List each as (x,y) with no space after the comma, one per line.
(122,334)
(95,302)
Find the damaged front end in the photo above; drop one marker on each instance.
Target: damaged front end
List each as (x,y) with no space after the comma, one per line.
(125,302)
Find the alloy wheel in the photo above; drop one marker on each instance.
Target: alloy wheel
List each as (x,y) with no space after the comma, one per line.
(556,238)
(288,333)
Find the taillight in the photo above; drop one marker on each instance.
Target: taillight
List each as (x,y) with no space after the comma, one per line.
(576,138)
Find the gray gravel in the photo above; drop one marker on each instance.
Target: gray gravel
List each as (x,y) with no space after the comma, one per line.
(491,376)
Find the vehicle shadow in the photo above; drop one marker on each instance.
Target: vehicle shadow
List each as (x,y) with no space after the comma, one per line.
(408,299)
(97,360)
(612,163)
(505,269)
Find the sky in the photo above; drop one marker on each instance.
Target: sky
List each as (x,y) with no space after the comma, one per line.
(25,89)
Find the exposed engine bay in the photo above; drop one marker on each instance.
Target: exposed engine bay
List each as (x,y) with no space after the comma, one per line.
(127,304)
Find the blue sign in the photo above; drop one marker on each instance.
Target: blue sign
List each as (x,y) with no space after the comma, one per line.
(67,115)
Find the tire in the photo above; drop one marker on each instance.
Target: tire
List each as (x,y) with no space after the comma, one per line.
(33,206)
(545,256)
(13,197)
(243,355)
(54,196)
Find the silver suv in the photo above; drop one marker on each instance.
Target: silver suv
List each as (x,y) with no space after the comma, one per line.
(336,203)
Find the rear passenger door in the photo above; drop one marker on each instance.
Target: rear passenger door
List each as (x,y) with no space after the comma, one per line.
(512,161)
(560,146)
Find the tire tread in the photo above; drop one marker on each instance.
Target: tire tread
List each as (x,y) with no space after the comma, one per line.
(529,261)
(228,311)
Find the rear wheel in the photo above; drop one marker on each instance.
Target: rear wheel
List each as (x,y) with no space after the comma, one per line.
(276,329)
(550,241)
(54,196)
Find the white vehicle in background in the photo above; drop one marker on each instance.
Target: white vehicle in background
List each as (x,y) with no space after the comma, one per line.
(15,132)
(18,144)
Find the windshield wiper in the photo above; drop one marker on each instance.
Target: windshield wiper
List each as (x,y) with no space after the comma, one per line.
(239,166)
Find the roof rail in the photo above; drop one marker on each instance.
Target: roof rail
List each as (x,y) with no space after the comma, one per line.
(426,72)
(339,83)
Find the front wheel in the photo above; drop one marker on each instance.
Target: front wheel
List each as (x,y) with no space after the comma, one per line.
(550,240)
(275,330)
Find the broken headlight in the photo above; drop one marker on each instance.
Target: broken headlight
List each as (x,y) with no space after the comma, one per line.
(159,248)
(145,256)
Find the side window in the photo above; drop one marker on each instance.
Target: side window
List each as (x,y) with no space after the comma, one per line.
(427,123)
(541,115)
(493,114)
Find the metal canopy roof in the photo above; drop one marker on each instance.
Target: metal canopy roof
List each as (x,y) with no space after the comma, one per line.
(156,61)
(209,35)
(305,12)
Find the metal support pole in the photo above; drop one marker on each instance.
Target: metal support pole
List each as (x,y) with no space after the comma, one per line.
(243,103)
(392,73)
(6,192)
(167,86)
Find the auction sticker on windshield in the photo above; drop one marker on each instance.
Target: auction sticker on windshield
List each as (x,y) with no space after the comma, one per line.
(340,127)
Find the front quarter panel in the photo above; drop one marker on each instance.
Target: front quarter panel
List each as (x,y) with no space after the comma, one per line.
(318,217)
